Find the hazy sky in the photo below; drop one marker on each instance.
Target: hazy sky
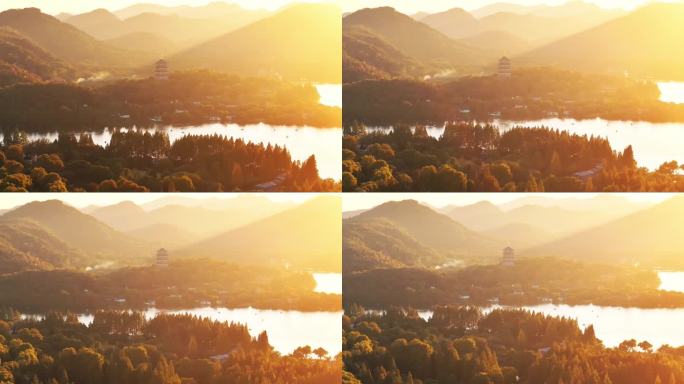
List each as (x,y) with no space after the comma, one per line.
(81,200)
(355,201)
(80,6)
(413,6)
(407,6)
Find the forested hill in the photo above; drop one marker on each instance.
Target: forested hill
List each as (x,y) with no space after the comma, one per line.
(66,42)
(406,233)
(77,229)
(22,61)
(27,245)
(414,47)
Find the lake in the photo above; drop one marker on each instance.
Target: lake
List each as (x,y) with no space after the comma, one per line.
(671,92)
(328,283)
(301,141)
(653,143)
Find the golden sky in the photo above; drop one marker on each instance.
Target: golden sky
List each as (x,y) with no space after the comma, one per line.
(356,201)
(81,200)
(407,6)
(80,6)
(413,6)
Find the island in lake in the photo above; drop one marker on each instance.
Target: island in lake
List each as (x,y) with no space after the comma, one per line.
(177,289)
(483,288)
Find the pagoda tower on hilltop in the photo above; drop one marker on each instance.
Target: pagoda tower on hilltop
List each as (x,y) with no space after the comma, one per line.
(161,70)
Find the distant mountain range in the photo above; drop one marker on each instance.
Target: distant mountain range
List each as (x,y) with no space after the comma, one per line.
(557,219)
(641,43)
(570,8)
(456,22)
(53,235)
(180,29)
(300,42)
(576,35)
(154,45)
(306,236)
(407,234)
(412,41)
(216,9)
(65,41)
(650,236)
(213,216)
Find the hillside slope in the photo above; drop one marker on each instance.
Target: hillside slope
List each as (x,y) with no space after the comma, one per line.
(651,236)
(301,42)
(418,40)
(430,227)
(26,245)
(22,61)
(307,236)
(79,230)
(66,41)
(622,46)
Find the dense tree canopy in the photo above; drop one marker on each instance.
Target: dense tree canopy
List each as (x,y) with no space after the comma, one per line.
(464,345)
(141,161)
(124,347)
(187,98)
(531,281)
(473,157)
(530,94)
(188,283)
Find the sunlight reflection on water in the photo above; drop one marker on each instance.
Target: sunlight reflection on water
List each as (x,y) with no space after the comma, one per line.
(671,92)
(331,94)
(328,282)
